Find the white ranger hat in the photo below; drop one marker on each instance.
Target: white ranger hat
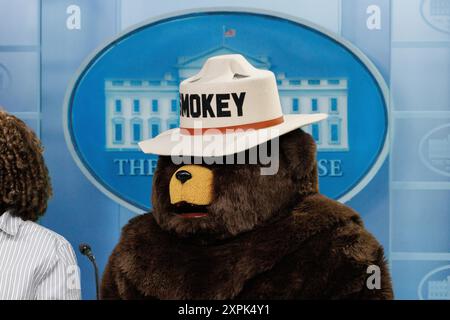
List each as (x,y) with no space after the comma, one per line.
(228,107)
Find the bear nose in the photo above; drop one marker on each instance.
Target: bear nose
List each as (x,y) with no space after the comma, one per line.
(183,175)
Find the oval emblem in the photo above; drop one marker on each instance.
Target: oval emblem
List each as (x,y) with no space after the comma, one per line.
(434,150)
(436,13)
(435,285)
(127,91)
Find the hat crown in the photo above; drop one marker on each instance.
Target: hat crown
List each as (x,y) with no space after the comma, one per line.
(223,68)
(229,92)
(232,96)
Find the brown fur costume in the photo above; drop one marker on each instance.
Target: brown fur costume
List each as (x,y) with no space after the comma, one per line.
(265,237)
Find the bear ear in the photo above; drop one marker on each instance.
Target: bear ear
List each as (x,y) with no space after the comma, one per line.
(299,151)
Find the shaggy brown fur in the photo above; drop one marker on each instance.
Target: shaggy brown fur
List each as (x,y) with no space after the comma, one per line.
(271,237)
(24,181)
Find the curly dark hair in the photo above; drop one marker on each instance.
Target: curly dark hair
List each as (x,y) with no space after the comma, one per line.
(24,180)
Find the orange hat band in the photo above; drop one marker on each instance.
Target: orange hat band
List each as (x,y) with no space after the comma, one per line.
(223,130)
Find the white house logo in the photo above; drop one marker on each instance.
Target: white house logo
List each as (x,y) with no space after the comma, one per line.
(128,91)
(437,14)
(435,285)
(138,109)
(434,150)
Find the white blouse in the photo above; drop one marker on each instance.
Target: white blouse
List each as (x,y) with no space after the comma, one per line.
(35,263)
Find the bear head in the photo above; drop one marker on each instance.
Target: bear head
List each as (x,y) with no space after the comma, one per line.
(218,201)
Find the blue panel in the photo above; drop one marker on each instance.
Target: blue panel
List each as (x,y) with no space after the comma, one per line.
(421,219)
(322,12)
(373,201)
(420,21)
(412,154)
(374,42)
(19,81)
(419,70)
(417,279)
(78,210)
(19,22)
(420,207)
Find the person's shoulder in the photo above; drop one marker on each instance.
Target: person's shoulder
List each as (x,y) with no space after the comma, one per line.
(43,235)
(326,212)
(140,230)
(140,223)
(340,227)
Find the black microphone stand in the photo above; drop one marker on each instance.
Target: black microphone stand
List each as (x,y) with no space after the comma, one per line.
(86,250)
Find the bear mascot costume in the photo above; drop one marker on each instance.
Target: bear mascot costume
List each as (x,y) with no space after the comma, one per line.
(224,229)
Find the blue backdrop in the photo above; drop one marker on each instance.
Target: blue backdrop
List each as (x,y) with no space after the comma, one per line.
(405,205)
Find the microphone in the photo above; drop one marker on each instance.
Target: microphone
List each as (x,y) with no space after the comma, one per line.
(85,250)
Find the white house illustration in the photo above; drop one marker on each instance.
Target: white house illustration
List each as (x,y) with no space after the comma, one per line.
(439,152)
(440,8)
(439,290)
(138,109)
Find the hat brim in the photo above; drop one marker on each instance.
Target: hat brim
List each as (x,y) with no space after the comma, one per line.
(174,142)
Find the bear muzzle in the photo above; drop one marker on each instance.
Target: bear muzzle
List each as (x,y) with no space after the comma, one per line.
(191,191)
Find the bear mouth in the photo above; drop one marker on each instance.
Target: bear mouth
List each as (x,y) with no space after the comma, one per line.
(189,210)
